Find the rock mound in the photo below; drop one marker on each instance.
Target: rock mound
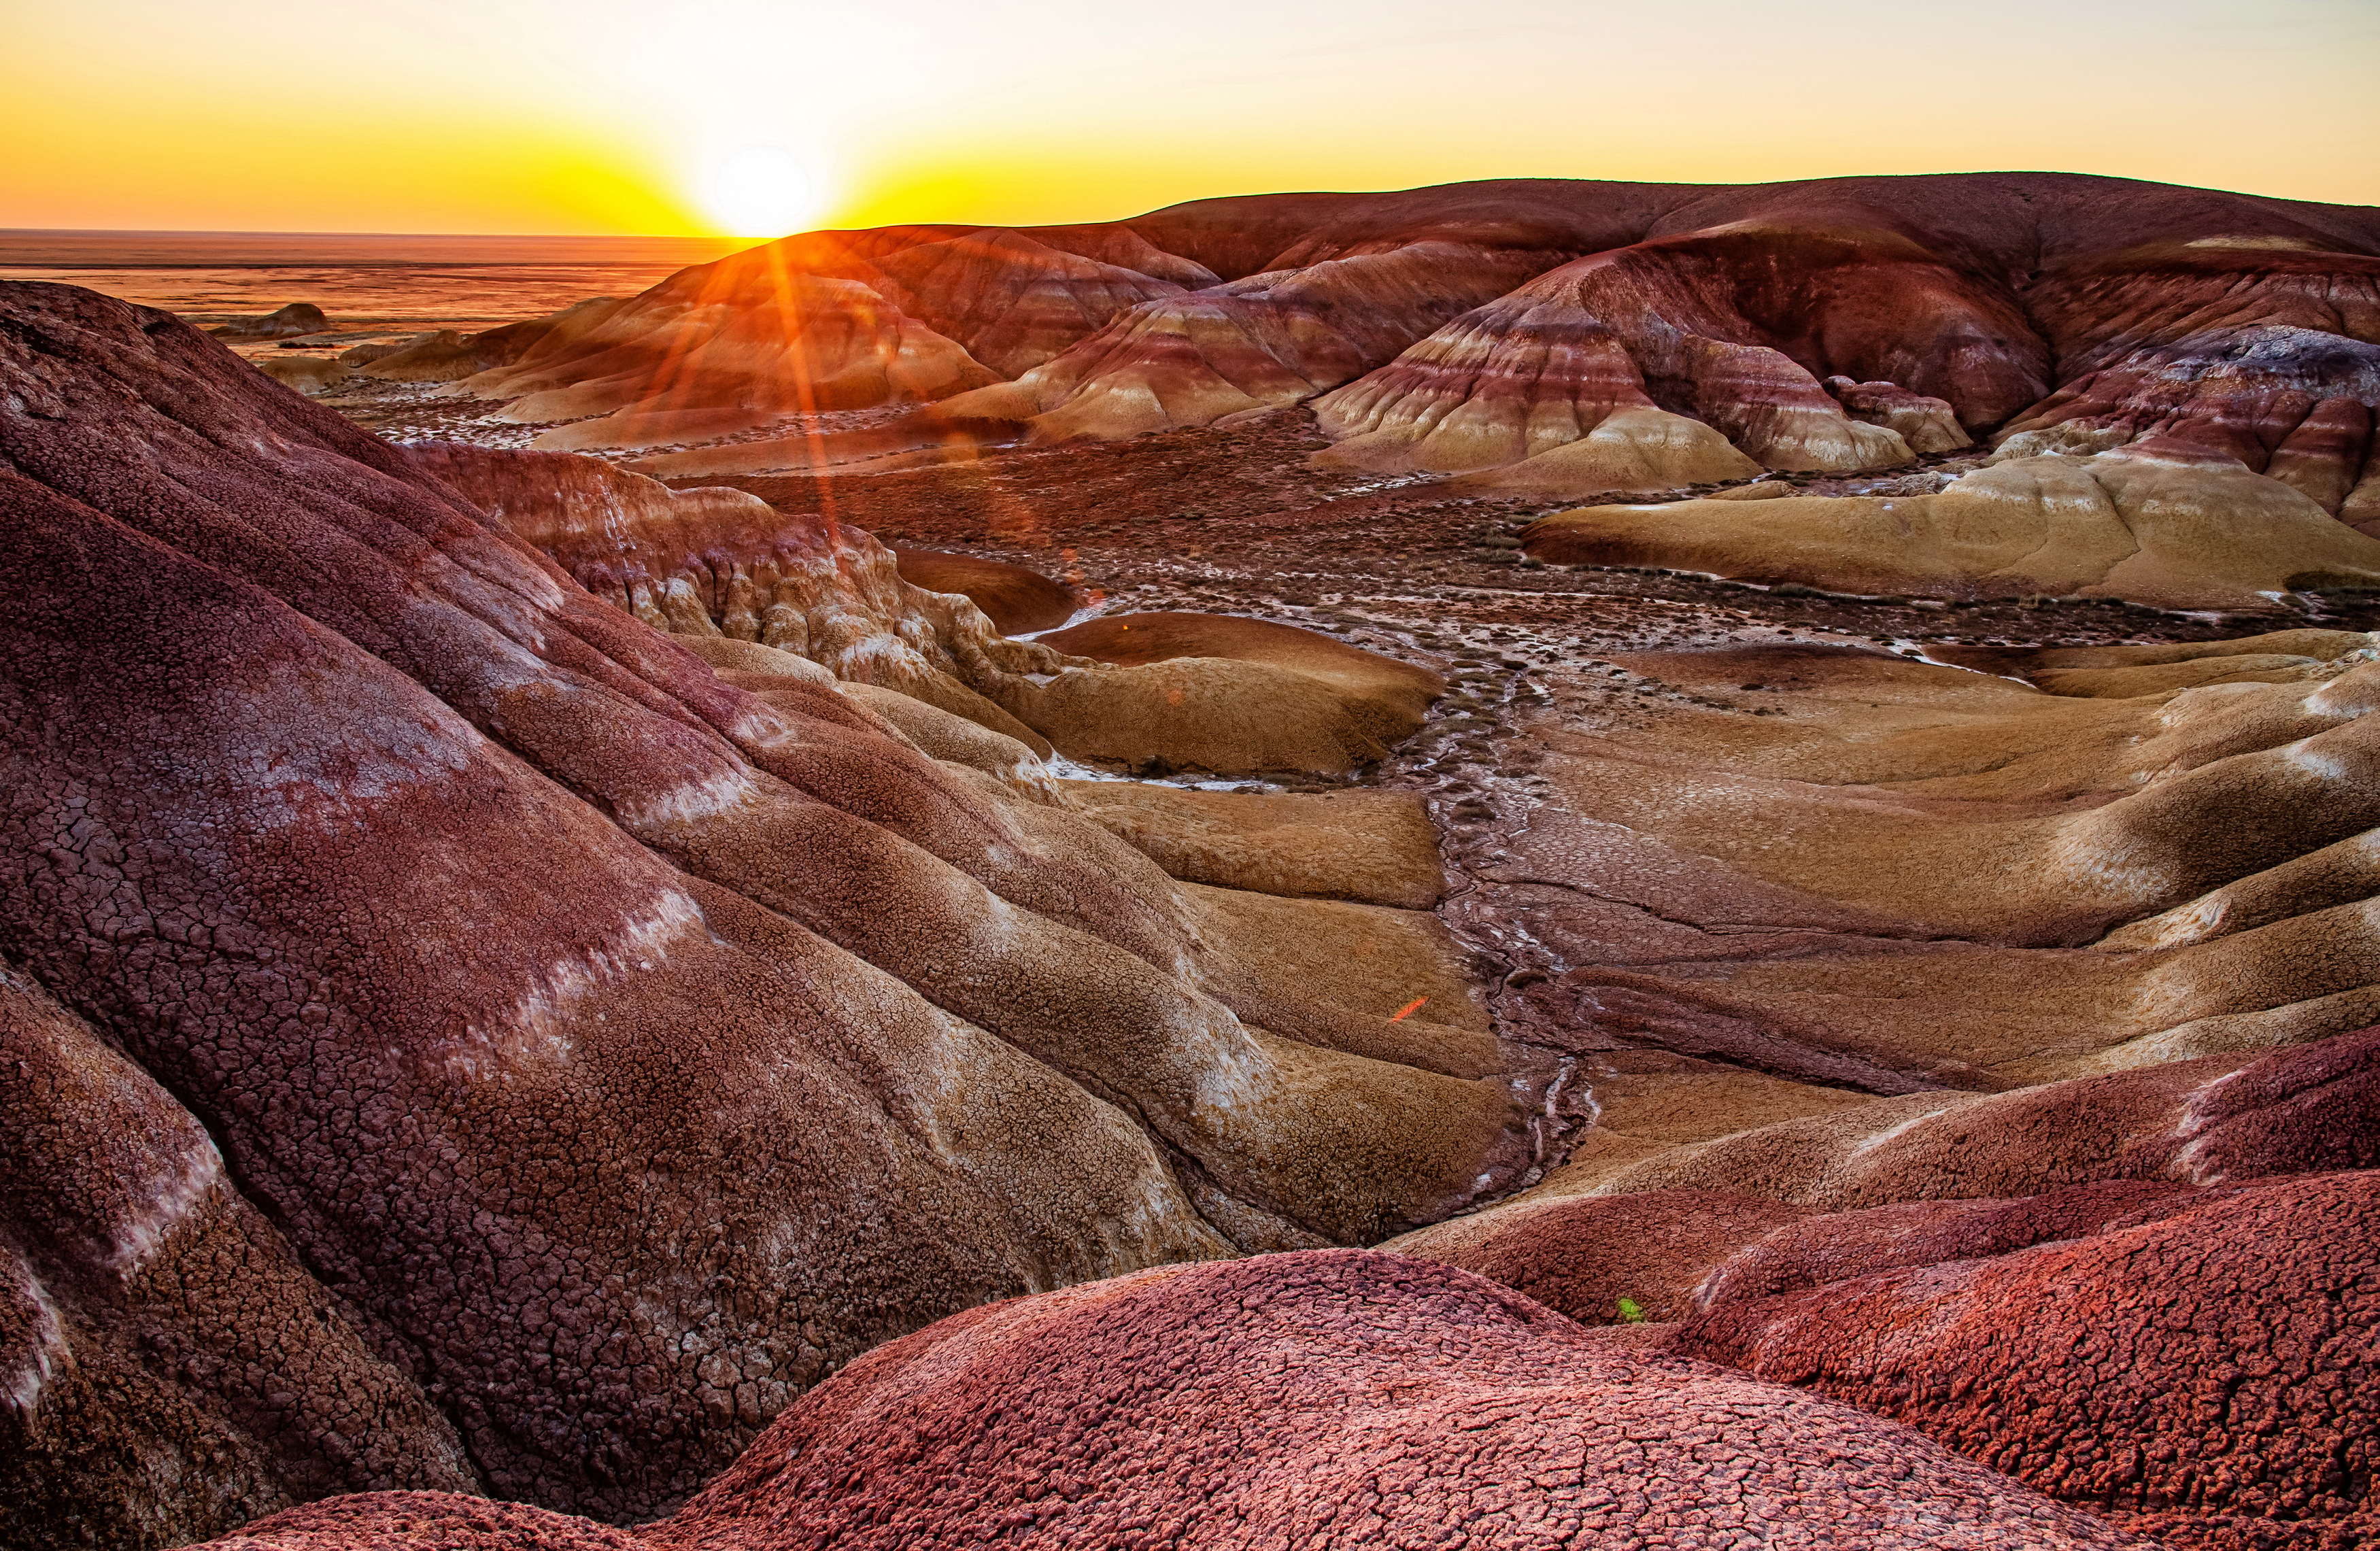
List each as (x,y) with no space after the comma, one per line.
(1229,695)
(1376,847)
(297,318)
(1328,1399)
(311,375)
(1017,601)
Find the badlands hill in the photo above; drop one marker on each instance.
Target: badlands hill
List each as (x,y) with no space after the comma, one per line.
(545,1009)
(1548,340)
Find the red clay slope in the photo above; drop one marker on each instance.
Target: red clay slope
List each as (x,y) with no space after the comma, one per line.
(1314,1400)
(2178,1332)
(2211,1375)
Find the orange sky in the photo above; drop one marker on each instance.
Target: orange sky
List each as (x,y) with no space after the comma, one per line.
(762,115)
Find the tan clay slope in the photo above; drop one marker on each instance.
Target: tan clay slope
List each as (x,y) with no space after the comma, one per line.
(1203,690)
(1880,874)
(1231,696)
(622,1048)
(2160,522)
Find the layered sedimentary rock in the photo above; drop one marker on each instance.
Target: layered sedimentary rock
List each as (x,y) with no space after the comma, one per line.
(1531,338)
(2162,521)
(1915,289)
(1249,345)
(2262,342)
(717,562)
(1328,1399)
(521,980)
(828,321)
(1729,329)
(615,1050)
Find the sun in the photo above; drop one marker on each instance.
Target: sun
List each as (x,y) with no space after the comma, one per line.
(761,191)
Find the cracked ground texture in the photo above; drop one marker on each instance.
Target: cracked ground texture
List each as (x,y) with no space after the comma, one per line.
(1320,1400)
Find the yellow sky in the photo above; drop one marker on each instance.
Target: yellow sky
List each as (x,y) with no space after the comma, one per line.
(760,116)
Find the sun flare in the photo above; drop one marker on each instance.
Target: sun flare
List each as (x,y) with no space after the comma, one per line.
(763,191)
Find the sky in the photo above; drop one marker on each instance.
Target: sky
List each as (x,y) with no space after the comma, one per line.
(756,117)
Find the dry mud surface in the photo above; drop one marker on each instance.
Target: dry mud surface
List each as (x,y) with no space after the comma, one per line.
(1536,657)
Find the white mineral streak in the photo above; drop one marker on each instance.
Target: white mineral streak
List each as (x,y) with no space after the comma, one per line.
(538,1024)
(28,1368)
